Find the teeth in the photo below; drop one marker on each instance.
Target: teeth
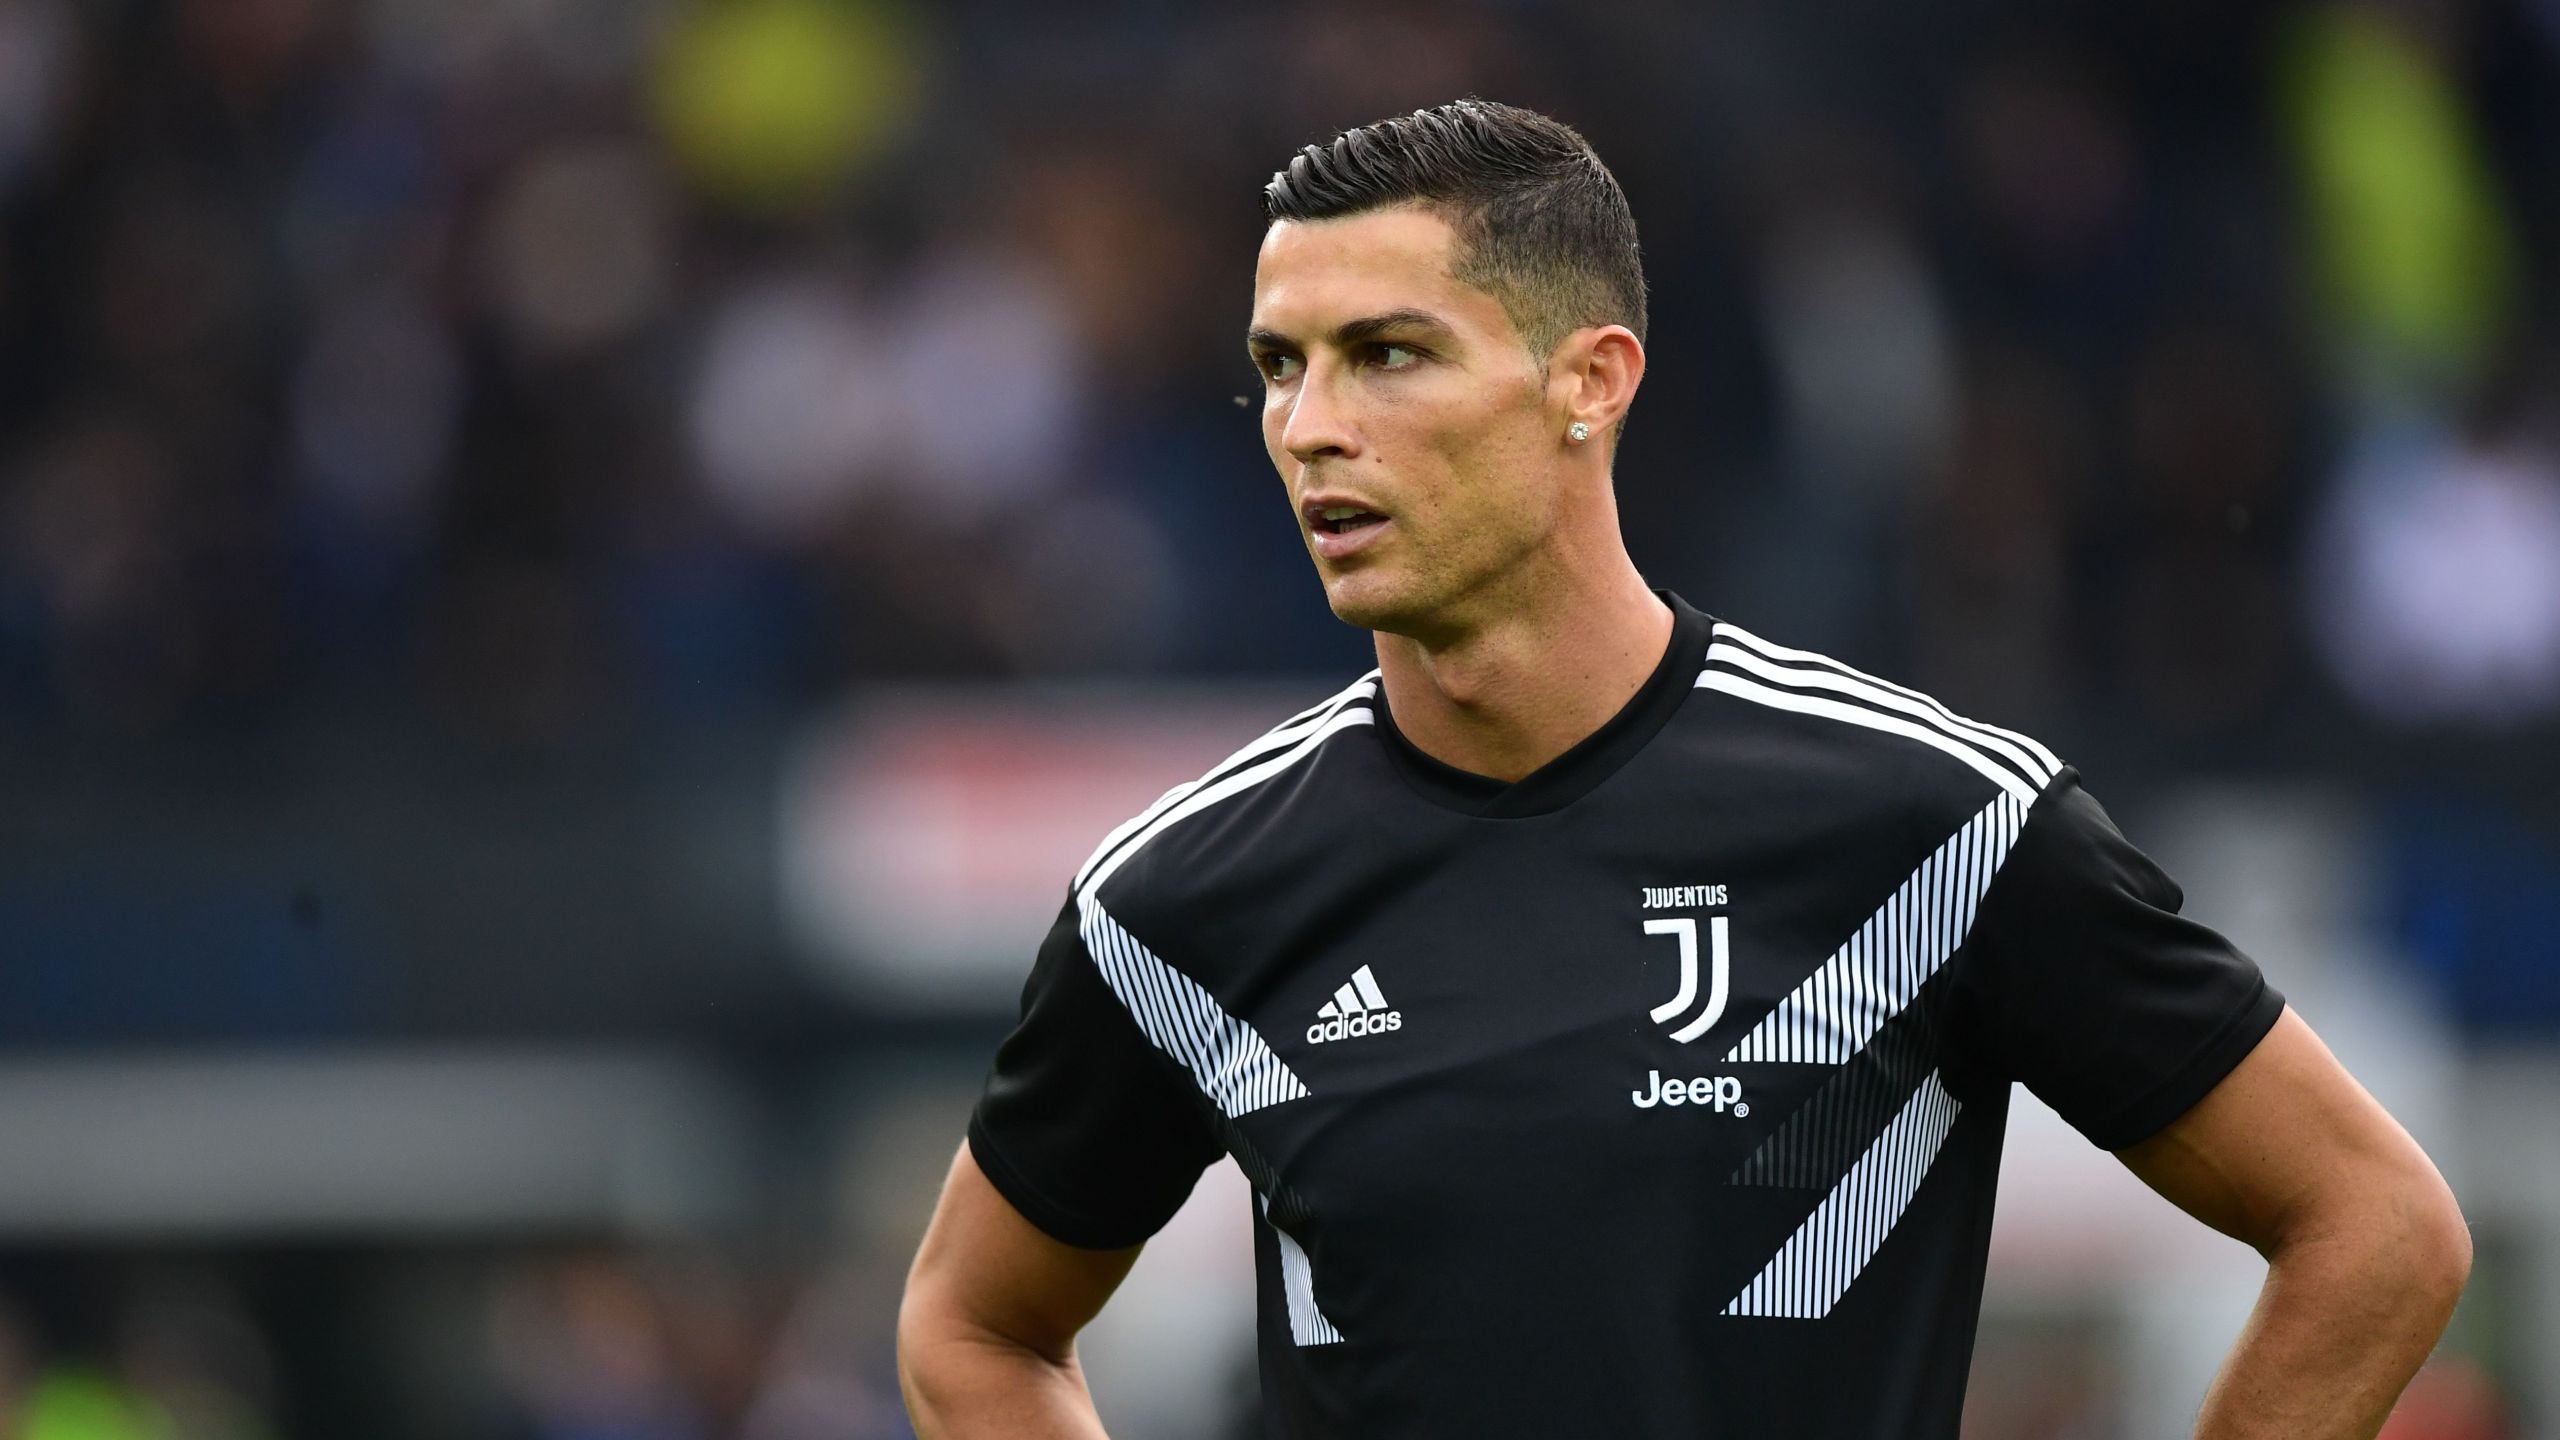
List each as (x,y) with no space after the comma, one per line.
(1342,512)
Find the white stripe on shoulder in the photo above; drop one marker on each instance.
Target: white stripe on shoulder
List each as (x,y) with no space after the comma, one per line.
(1735,685)
(1294,743)
(1229,1060)
(1726,630)
(1878,971)
(1287,732)
(1926,712)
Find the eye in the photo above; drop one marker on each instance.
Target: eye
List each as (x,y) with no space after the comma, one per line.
(1278,365)
(1396,357)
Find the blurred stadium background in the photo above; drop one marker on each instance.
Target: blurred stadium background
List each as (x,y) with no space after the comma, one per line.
(576,574)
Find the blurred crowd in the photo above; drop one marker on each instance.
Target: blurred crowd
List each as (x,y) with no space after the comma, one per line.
(564,1342)
(539,367)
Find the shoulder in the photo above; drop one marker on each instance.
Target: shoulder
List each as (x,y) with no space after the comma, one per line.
(1248,784)
(1843,725)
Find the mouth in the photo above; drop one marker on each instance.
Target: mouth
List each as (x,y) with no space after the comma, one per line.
(1340,517)
(1338,528)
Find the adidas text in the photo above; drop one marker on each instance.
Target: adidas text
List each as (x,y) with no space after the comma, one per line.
(1722,1092)
(1341,1028)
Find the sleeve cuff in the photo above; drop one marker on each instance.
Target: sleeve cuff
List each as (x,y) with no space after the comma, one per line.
(1058,1222)
(2149,1114)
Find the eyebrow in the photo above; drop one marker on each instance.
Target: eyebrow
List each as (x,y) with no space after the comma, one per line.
(1367,327)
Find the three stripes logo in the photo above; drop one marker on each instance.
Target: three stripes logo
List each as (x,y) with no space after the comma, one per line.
(1357,1009)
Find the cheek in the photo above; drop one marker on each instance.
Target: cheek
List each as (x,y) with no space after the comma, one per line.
(1491,460)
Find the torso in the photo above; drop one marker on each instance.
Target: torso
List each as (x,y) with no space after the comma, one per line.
(1585,1139)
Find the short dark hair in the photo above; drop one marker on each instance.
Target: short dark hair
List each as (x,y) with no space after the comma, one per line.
(1541,224)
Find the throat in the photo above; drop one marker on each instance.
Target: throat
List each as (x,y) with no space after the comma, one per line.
(1483,719)
(1504,706)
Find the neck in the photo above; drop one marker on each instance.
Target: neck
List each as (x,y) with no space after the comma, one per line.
(1504,697)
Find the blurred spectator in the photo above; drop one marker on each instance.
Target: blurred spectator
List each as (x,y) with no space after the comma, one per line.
(1862,353)
(2411,245)
(792,406)
(2060,199)
(589,1353)
(1991,610)
(193,1354)
(578,247)
(101,539)
(831,1372)
(35,70)
(184,1360)
(2439,595)
(767,103)
(2204,618)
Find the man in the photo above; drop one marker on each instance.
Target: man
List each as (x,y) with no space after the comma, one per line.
(1614,1011)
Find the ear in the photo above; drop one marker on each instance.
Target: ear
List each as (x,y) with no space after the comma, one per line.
(1593,377)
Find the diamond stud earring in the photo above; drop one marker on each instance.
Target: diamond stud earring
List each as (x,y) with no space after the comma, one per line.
(1577,432)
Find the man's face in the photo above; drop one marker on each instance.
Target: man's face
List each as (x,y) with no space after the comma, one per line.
(1392,389)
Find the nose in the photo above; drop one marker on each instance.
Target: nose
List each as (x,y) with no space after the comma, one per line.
(1316,426)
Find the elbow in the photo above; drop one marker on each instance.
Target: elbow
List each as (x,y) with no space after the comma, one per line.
(912,1350)
(2415,1247)
(2432,1241)
(952,1364)
(923,1333)
(2438,1245)
(2387,1243)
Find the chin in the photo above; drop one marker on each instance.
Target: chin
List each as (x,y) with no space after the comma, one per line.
(1373,601)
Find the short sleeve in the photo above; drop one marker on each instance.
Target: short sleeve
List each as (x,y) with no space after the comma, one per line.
(1091,1132)
(2081,979)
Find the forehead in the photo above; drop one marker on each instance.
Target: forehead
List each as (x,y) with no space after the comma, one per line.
(1315,274)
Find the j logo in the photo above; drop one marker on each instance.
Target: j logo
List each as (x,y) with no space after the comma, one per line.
(1718,985)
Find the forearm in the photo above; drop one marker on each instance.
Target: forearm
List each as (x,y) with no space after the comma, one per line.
(962,1386)
(2346,1317)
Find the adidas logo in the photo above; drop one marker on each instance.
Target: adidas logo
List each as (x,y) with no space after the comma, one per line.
(1356,1009)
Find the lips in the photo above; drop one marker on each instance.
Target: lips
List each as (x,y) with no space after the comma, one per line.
(1341,525)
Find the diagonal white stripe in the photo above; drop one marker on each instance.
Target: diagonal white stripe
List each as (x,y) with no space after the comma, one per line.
(1927,712)
(1728,630)
(1817,1264)
(1193,802)
(1227,1058)
(1877,971)
(1288,732)
(1307,1324)
(1996,773)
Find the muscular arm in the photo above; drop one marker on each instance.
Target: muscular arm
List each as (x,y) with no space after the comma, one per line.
(2366,1250)
(986,1333)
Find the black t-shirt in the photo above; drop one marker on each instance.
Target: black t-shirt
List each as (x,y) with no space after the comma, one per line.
(1657,1094)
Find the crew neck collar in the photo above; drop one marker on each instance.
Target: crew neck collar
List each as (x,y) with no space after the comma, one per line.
(1594,758)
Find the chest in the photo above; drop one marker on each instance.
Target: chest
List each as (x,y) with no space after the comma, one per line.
(1620,1008)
